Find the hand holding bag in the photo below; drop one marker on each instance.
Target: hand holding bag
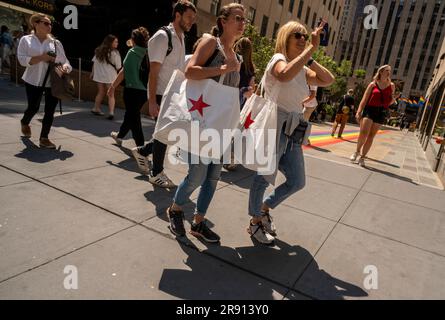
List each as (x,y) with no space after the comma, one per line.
(62,84)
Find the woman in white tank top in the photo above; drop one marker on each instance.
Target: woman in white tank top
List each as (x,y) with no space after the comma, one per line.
(287,81)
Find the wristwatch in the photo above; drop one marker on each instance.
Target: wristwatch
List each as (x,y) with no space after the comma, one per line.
(310,62)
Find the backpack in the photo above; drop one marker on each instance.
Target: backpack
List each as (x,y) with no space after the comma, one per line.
(144,68)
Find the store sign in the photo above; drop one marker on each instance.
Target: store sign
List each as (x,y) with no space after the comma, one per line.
(44,6)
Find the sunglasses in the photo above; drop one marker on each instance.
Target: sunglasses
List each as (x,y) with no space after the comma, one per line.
(46,23)
(298,36)
(240,19)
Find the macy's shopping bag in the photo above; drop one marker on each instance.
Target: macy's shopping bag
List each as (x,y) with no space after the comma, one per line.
(195,113)
(257,150)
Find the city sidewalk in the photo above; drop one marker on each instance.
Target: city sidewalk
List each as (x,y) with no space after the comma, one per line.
(85,205)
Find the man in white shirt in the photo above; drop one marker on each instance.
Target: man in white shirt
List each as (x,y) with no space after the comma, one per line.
(164,60)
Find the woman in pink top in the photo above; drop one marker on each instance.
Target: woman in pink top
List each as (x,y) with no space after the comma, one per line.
(379,95)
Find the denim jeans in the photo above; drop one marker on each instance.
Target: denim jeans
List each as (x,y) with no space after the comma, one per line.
(291,164)
(206,176)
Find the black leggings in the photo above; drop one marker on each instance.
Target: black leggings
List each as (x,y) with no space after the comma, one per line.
(34,95)
(157,148)
(134,100)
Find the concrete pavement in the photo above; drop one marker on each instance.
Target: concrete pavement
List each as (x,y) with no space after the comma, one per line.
(86,205)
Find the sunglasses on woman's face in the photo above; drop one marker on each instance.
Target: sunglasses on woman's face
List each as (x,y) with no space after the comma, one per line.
(46,23)
(299,35)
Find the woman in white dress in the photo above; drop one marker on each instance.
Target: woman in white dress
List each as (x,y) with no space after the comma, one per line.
(107,64)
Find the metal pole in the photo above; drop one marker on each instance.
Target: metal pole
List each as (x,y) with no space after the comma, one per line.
(16,71)
(80,79)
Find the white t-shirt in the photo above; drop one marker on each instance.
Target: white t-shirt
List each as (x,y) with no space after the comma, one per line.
(29,47)
(157,51)
(288,95)
(103,72)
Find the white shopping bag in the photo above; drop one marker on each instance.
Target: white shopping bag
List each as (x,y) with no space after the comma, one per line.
(195,113)
(257,149)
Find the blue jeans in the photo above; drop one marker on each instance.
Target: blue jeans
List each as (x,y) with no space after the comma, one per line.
(291,164)
(206,176)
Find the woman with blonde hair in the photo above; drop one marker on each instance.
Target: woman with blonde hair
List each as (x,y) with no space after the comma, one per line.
(287,79)
(371,114)
(35,52)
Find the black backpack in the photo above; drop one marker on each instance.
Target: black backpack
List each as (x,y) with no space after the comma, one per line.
(144,69)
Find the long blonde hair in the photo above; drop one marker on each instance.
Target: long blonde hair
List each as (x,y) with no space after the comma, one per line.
(285,33)
(378,75)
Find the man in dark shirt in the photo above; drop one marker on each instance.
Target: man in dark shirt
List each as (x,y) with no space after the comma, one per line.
(345,107)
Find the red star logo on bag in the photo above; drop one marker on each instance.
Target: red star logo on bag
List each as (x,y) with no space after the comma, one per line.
(199,106)
(249,121)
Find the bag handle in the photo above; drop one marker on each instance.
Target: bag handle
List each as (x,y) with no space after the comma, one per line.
(220,47)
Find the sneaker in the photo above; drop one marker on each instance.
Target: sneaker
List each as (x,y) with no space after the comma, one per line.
(116,139)
(97,113)
(354,157)
(110,117)
(201,230)
(268,224)
(142,161)
(26,131)
(161,180)
(258,232)
(176,219)
(45,143)
(361,162)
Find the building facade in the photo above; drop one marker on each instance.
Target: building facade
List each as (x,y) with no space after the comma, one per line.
(408,38)
(432,118)
(269,15)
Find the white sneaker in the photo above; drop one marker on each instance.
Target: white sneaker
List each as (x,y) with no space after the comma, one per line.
(161,180)
(268,224)
(354,157)
(258,231)
(361,162)
(142,161)
(118,140)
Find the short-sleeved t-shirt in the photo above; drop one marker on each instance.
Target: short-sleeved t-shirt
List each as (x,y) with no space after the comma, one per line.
(157,51)
(288,95)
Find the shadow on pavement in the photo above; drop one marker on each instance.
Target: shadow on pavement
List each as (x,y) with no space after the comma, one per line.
(384,163)
(392,175)
(33,153)
(212,281)
(95,125)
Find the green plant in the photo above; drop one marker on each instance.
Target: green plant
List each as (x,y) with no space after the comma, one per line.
(263,50)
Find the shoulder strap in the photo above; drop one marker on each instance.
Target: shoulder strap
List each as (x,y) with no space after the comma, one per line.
(170,44)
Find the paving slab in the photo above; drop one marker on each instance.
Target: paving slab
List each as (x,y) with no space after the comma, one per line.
(128,194)
(398,189)
(353,177)
(8,177)
(407,223)
(39,224)
(300,236)
(72,155)
(403,272)
(139,264)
